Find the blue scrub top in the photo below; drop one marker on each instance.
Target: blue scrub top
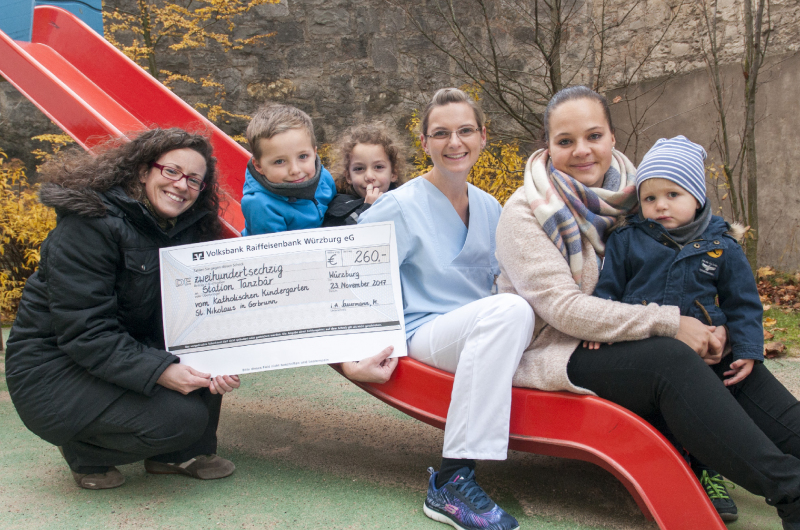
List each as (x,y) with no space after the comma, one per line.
(443,264)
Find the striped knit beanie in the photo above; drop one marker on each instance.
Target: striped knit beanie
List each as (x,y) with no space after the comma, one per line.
(679,160)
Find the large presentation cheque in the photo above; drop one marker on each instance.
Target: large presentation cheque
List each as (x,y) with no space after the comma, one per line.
(283,300)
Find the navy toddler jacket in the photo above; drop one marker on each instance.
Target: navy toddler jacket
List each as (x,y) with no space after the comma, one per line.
(644,265)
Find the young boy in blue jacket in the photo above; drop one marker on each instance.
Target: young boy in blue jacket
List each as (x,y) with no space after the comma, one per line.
(285,185)
(674,252)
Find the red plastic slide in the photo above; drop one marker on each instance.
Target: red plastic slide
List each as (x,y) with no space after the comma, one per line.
(91,90)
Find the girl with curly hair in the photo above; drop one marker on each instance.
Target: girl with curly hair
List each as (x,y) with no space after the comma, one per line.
(369,161)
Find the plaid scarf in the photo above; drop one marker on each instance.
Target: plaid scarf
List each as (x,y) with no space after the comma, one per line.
(567,210)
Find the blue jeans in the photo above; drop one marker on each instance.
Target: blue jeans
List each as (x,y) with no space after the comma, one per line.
(749,433)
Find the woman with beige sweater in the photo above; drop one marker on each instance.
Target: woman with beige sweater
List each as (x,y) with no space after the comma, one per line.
(550,240)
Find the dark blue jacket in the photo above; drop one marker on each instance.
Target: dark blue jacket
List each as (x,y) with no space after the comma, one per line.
(644,265)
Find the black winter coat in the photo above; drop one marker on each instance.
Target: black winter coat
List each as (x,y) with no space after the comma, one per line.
(89,324)
(344,210)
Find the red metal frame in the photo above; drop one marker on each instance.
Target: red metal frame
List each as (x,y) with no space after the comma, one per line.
(92,91)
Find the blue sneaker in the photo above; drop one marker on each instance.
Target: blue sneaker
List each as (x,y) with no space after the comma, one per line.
(462,504)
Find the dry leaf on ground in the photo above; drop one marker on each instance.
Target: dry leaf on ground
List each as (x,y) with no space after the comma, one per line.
(768,335)
(774,349)
(763,272)
(769,322)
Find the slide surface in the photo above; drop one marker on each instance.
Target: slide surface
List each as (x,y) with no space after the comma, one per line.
(92,91)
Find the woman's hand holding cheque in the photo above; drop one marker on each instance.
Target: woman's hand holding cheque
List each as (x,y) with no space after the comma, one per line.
(375,369)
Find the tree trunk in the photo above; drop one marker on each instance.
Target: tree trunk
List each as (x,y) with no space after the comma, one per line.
(753,58)
(751,244)
(144,17)
(555,54)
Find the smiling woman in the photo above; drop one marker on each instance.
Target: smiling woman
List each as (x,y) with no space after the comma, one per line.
(173,183)
(664,366)
(445,231)
(580,141)
(85,363)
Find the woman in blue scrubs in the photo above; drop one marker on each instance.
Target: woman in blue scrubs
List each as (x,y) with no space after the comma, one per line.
(445,231)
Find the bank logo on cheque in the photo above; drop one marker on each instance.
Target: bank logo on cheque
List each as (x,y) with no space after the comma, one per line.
(197,255)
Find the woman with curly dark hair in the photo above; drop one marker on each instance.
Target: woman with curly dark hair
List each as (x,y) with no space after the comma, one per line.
(85,363)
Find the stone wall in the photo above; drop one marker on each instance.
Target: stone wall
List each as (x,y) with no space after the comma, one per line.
(346,61)
(19,121)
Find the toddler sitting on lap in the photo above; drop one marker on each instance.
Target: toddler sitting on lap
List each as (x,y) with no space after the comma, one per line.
(675,252)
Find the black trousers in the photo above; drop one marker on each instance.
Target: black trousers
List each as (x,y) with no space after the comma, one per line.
(750,433)
(168,427)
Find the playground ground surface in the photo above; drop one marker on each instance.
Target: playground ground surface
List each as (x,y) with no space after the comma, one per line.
(314,451)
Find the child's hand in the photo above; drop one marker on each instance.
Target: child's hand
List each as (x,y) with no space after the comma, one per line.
(372,194)
(739,370)
(593,345)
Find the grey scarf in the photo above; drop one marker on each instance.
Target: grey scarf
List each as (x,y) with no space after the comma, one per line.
(690,232)
(304,190)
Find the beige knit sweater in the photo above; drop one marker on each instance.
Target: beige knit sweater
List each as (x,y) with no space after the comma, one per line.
(532,267)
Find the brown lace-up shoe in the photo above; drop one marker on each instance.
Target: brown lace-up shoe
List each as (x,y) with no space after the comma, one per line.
(204,467)
(97,481)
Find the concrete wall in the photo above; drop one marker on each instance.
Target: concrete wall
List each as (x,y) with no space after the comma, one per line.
(686,107)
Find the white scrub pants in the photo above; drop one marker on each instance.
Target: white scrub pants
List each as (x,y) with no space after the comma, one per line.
(481,343)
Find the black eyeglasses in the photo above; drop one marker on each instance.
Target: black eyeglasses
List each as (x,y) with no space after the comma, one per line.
(195,183)
(463,132)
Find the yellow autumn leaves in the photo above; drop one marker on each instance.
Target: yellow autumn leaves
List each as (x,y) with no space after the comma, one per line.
(24,224)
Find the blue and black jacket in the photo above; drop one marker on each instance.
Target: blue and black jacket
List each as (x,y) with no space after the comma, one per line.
(266,212)
(708,278)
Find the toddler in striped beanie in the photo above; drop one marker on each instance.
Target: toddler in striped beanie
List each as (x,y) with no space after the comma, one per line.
(674,252)
(671,182)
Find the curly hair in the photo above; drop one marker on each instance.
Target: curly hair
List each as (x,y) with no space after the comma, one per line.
(120,162)
(375,133)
